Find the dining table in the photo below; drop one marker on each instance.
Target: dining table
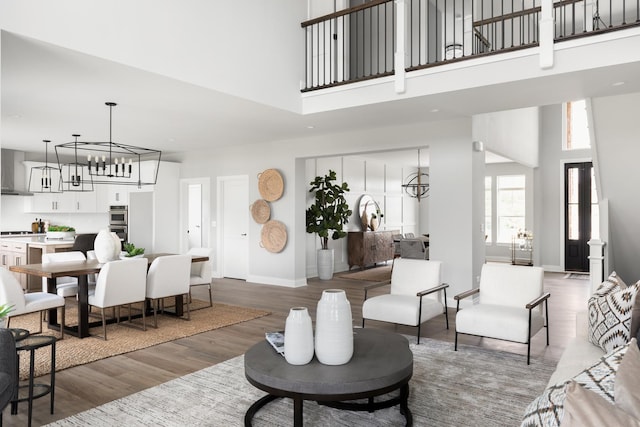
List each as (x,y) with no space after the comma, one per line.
(81,270)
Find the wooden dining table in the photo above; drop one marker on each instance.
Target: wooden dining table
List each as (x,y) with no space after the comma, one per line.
(81,270)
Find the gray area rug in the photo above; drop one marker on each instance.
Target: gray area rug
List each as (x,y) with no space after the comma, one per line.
(470,387)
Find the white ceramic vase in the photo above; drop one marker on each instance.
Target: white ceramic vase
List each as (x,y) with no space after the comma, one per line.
(324,259)
(334,328)
(107,246)
(298,337)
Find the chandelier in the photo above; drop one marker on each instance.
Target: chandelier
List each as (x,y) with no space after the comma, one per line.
(50,178)
(107,162)
(417,184)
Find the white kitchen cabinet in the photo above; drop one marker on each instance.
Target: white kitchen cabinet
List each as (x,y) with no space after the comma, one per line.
(14,253)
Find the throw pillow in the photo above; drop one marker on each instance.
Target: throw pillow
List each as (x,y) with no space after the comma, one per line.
(547,410)
(610,309)
(626,387)
(585,408)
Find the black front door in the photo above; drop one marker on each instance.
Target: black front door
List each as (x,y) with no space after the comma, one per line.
(578,178)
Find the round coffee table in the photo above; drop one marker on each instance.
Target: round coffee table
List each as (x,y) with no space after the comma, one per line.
(382,362)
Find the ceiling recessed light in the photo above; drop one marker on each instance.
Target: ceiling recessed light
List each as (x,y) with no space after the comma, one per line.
(16,116)
(435,110)
(618,84)
(310,127)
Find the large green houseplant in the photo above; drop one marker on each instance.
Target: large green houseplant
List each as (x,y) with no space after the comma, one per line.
(327,217)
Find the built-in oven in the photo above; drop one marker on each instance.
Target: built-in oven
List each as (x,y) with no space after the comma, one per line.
(118,215)
(120,230)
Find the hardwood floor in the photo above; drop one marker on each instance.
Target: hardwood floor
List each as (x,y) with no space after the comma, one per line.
(86,386)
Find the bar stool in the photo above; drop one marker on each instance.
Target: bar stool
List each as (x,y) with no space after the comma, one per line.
(28,392)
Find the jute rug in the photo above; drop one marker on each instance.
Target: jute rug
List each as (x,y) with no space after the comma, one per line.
(470,387)
(72,351)
(376,274)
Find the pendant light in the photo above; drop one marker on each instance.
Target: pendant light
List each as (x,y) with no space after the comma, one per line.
(45,179)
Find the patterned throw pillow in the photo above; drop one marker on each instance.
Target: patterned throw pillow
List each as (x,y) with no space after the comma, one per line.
(610,308)
(547,410)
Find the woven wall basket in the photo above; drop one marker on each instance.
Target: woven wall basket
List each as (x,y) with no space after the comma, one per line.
(273,236)
(260,211)
(270,185)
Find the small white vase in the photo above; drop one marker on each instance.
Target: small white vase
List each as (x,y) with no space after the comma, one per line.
(107,246)
(334,328)
(298,337)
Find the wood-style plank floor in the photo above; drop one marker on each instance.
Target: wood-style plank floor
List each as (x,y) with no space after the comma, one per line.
(87,386)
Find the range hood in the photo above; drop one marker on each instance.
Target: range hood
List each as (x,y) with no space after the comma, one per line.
(8,178)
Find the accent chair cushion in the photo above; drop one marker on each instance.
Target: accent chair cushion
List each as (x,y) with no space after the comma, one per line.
(610,310)
(401,309)
(498,321)
(513,285)
(410,276)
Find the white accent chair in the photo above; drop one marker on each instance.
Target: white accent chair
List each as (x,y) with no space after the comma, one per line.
(11,293)
(168,276)
(509,306)
(120,283)
(414,297)
(201,272)
(65,286)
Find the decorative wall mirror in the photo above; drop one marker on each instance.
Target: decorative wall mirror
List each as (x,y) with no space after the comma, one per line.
(369,209)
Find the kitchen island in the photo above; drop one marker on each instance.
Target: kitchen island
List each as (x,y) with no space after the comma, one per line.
(28,249)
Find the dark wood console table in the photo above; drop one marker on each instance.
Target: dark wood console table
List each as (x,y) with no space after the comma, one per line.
(369,247)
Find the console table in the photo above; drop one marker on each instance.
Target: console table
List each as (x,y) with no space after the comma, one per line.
(382,362)
(369,247)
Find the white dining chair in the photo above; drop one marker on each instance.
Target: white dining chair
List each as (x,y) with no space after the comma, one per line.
(201,272)
(11,293)
(121,282)
(168,276)
(65,286)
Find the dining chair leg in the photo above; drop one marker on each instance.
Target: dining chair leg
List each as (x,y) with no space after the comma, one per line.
(144,323)
(155,314)
(104,324)
(188,310)
(62,323)
(210,297)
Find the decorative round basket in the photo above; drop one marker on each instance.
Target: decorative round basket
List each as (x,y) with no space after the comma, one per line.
(270,185)
(273,236)
(260,211)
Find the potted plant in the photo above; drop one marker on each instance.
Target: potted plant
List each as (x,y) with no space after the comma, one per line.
(130,251)
(327,217)
(5,309)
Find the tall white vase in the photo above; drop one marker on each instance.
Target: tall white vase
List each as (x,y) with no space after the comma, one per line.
(106,247)
(324,259)
(298,337)
(334,328)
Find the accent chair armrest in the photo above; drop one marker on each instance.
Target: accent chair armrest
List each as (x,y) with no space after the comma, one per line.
(432,290)
(375,285)
(538,300)
(466,294)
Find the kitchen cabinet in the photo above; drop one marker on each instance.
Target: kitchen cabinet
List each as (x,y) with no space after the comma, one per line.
(369,247)
(14,253)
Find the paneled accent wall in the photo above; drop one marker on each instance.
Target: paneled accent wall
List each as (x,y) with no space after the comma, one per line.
(377,179)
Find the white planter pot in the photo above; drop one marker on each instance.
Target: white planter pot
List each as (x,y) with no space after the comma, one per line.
(107,246)
(324,260)
(61,235)
(298,337)
(334,328)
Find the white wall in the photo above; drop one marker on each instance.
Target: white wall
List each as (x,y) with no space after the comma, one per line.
(212,44)
(512,134)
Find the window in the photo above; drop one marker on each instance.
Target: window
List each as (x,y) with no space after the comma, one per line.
(576,126)
(487,209)
(510,206)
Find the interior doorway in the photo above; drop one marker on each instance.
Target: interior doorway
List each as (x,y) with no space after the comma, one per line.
(195,209)
(194,229)
(581,214)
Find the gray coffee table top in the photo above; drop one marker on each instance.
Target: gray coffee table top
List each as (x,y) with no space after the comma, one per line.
(381,360)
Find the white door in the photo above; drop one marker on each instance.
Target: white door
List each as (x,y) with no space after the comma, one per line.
(234,192)
(195,216)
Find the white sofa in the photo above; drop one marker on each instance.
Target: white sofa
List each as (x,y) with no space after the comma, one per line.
(579,355)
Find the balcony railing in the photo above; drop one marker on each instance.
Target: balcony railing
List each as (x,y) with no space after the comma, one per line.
(360,43)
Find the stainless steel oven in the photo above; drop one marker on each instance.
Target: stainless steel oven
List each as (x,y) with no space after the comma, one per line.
(118,215)
(120,230)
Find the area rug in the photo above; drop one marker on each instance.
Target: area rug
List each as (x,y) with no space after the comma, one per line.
(579,276)
(473,386)
(376,274)
(72,351)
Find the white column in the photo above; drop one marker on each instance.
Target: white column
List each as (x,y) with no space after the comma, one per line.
(596,263)
(546,34)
